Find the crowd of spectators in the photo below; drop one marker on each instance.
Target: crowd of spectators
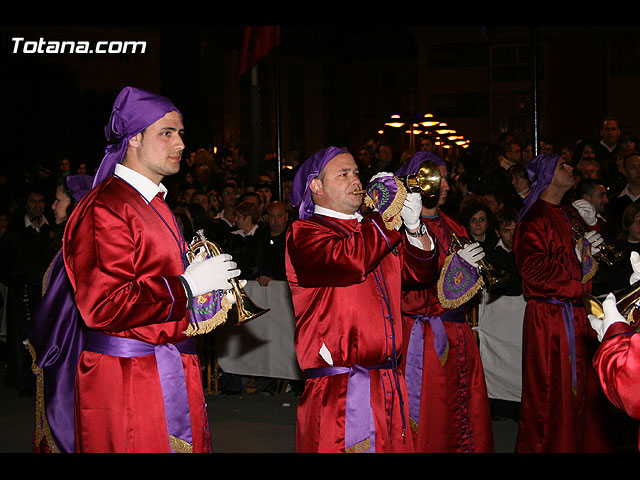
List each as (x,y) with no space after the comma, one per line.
(246,210)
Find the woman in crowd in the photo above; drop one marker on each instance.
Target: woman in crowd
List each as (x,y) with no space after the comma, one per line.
(520,180)
(478,219)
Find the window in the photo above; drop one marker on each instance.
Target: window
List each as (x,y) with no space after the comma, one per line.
(512,63)
(457,56)
(624,58)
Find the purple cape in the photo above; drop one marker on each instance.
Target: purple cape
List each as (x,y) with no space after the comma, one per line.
(310,169)
(56,336)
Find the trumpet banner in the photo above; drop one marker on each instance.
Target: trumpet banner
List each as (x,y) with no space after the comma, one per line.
(459,281)
(387,195)
(209,310)
(588,265)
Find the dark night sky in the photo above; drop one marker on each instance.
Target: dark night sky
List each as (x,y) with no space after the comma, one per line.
(49,116)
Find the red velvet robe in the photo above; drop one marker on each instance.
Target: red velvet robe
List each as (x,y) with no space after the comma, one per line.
(454,407)
(123,263)
(331,267)
(552,417)
(617,362)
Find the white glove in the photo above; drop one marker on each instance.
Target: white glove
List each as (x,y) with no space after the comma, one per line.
(472,253)
(635,264)
(587,211)
(380,175)
(204,276)
(611,316)
(411,211)
(595,239)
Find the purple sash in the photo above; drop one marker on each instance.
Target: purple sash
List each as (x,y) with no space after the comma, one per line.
(360,430)
(569,327)
(172,379)
(415,355)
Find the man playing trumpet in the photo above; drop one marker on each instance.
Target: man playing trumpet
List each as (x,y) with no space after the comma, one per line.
(448,400)
(346,274)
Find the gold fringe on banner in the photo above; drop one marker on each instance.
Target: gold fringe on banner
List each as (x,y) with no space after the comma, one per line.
(445,302)
(391,216)
(594,265)
(210,324)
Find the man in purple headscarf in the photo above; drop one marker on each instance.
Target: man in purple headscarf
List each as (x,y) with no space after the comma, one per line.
(345,274)
(448,403)
(138,382)
(563,408)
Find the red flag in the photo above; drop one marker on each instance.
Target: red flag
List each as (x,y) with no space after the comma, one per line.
(256,43)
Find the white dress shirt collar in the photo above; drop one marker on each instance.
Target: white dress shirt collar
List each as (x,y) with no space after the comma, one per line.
(27,222)
(626,192)
(502,245)
(318,210)
(142,184)
(249,233)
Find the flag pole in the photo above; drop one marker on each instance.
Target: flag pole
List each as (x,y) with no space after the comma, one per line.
(276,61)
(534,90)
(254,124)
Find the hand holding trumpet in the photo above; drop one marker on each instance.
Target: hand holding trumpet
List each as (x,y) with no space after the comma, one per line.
(611,316)
(205,275)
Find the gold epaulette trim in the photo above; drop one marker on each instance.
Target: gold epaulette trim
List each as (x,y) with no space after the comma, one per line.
(413,425)
(208,325)
(180,446)
(360,447)
(445,355)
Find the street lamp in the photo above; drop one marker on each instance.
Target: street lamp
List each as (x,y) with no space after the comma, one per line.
(415,126)
(444,136)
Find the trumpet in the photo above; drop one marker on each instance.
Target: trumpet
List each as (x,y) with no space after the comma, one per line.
(626,302)
(607,254)
(426,181)
(490,276)
(245,308)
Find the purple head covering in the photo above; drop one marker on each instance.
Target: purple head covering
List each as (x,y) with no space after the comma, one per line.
(79,185)
(540,171)
(133,111)
(413,165)
(310,169)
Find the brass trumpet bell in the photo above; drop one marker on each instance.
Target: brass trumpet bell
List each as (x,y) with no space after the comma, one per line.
(607,254)
(427,181)
(244,307)
(490,277)
(626,300)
